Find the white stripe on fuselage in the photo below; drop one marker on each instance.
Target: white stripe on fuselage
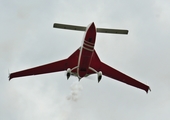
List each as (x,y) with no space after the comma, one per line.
(81,48)
(91,50)
(89,42)
(88,45)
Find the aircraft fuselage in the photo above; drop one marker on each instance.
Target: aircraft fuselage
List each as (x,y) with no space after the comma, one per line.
(86,51)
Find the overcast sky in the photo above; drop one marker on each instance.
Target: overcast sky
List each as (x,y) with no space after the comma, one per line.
(27,39)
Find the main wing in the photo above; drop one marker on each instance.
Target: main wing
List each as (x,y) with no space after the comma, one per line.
(49,68)
(115,74)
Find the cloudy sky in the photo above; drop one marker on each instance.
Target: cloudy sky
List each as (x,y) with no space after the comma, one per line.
(27,39)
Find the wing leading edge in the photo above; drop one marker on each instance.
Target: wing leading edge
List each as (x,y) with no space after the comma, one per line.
(115,74)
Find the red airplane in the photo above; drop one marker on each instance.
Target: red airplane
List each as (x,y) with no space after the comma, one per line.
(84,61)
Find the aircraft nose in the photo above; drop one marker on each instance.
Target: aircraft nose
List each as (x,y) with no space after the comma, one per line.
(91,33)
(92,25)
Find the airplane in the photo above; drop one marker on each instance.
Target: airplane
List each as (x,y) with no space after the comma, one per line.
(84,61)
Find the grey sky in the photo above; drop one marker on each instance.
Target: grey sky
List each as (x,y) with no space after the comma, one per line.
(28,39)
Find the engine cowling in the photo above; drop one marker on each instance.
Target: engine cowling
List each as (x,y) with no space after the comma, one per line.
(68,73)
(99,76)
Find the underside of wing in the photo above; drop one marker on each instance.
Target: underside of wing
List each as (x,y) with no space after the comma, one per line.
(48,68)
(115,74)
(61,65)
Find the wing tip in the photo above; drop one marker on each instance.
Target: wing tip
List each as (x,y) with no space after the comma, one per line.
(9,77)
(148,90)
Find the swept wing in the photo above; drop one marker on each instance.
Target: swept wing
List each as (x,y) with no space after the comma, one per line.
(49,68)
(115,74)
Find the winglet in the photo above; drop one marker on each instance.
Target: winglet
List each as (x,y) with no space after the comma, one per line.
(148,90)
(9,75)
